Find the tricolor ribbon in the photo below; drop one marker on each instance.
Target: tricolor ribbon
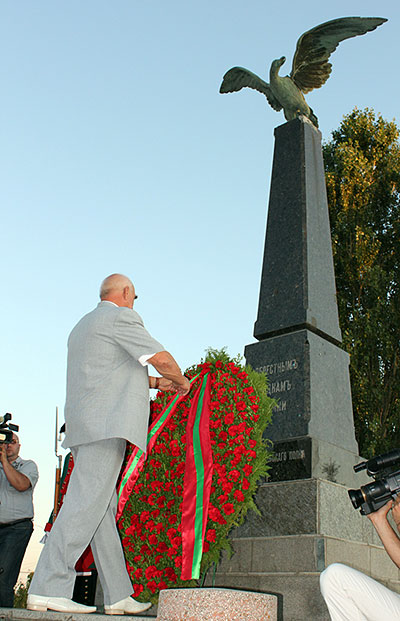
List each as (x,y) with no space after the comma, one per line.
(197,481)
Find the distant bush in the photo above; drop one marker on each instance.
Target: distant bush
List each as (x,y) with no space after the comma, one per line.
(21,592)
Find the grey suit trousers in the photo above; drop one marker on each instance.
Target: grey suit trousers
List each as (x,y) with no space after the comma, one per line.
(87,516)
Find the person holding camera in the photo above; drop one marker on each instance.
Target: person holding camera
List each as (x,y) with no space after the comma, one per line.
(107,403)
(350,594)
(18,478)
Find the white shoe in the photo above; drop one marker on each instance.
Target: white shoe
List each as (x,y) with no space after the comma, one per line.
(59,604)
(128,606)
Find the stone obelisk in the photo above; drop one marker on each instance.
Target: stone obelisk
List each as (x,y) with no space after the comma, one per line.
(306,519)
(297,325)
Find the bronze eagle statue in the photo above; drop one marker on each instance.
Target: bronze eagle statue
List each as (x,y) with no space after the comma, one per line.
(310,67)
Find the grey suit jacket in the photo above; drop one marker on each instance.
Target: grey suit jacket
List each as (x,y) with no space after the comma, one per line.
(107,388)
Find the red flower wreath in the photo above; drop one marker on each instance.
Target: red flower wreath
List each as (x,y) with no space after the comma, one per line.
(150,525)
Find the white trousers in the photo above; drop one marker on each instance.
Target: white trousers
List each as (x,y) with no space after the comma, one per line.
(352,596)
(87,516)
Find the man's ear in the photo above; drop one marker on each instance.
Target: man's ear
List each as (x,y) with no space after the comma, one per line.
(125,293)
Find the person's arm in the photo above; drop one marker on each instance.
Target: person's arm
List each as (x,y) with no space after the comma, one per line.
(167,366)
(18,480)
(387,535)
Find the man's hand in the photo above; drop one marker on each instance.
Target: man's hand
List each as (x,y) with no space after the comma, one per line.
(396,512)
(165,385)
(15,478)
(166,365)
(385,531)
(182,389)
(3,454)
(377,516)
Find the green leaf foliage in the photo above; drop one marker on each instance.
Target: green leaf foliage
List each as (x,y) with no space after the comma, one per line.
(362,167)
(21,592)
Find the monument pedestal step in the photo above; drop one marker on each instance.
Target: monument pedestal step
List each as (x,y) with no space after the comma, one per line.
(216,604)
(21,614)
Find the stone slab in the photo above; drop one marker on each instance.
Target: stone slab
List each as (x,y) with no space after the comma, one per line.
(294,554)
(301,601)
(211,604)
(306,507)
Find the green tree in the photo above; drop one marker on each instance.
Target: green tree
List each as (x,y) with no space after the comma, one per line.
(362,167)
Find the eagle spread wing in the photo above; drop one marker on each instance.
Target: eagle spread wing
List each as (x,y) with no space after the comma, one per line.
(311,68)
(238,77)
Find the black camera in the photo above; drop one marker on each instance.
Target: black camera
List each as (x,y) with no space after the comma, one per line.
(385,470)
(6,429)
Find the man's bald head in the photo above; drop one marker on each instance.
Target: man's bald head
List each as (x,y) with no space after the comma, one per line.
(119,289)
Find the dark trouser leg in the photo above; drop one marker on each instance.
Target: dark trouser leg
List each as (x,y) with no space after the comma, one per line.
(13,542)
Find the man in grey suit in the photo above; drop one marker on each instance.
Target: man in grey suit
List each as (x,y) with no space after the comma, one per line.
(107,403)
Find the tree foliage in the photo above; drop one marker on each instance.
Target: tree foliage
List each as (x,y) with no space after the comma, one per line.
(362,166)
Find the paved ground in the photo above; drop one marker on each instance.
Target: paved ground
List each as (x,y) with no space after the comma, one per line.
(20,614)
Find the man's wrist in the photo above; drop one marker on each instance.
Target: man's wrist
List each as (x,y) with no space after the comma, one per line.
(155,382)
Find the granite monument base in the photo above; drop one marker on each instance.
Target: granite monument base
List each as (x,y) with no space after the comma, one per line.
(304,526)
(308,376)
(305,458)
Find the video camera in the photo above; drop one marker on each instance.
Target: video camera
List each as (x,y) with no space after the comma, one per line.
(373,496)
(6,429)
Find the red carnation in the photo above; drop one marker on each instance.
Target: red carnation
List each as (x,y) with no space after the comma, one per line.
(137,589)
(170,574)
(145,550)
(228,508)
(229,419)
(227,486)
(152,586)
(176,541)
(234,475)
(247,469)
(210,536)
(238,494)
(150,572)
(171,533)
(215,515)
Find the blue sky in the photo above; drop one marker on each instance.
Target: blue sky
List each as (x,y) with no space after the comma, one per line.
(117,153)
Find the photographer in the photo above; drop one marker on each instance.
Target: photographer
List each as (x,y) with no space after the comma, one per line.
(350,594)
(18,478)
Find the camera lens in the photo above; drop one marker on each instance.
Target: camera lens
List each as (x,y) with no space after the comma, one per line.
(356,497)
